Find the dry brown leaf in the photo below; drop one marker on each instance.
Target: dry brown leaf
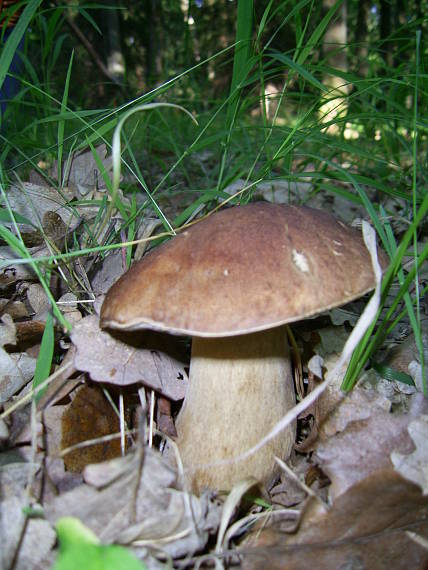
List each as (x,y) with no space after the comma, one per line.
(84,175)
(56,479)
(89,416)
(4,431)
(7,331)
(14,271)
(37,535)
(414,466)
(16,369)
(107,272)
(16,309)
(372,507)
(118,510)
(34,201)
(362,449)
(288,492)
(67,304)
(108,359)
(29,333)
(365,529)
(37,298)
(334,409)
(164,419)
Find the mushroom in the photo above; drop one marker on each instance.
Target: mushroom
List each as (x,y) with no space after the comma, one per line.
(231,282)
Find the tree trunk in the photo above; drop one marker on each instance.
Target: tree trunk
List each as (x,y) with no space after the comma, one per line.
(334,50)
(113,48)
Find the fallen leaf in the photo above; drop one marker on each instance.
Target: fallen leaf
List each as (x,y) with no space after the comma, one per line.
(4,431)
(89,416)
(132,499)
(363,448)
(67,304)
(16,309)
(109,359)
(16,369)
(334,410)
(14,272)
(34,201)
(365,528)
(84,175)
(37,298)
(30,539)
(371,505)
(62,384)
(106,272)
(7,331)
(414,466)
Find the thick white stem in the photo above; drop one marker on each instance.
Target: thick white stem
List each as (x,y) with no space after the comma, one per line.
(239,388)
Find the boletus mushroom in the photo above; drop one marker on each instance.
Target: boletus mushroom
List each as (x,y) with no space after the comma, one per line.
(231,282)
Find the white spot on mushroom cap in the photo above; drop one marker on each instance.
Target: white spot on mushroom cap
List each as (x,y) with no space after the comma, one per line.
(300,261)
(226,272)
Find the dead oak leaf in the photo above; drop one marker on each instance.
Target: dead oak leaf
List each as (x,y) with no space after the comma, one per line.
(414,466)
(107,358)
(119,507)
(365,529)
(83,173)
(362,449)
(16,369)
(89,416)
(24,541)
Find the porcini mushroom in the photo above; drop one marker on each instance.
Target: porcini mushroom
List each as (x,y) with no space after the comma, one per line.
(231,282)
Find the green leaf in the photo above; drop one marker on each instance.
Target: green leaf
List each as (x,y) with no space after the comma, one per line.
(391,374)
(318,33)
(61,123)
(44,360)
(300,70)
(15,37)
(79,548)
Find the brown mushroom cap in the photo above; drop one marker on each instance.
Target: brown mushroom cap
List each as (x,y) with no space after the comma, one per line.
(241,270)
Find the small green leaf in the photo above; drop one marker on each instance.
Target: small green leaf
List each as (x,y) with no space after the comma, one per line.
(392,374)
(300,70)
(79,547)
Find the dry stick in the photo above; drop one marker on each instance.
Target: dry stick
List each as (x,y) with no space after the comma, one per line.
(151,417)
(94,441)
(264,517)
(300,483)
(141,456)
(232,501)
(122,423)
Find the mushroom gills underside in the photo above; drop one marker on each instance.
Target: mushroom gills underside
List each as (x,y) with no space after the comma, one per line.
(239,388)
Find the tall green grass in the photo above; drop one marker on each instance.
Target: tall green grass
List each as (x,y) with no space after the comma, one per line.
(383,170)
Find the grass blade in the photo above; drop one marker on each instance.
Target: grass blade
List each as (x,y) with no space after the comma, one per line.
(44,360)
(15,38)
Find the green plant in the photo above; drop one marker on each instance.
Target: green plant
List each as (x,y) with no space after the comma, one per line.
(80,548)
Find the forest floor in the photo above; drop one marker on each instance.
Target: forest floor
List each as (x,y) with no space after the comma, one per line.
(87,443)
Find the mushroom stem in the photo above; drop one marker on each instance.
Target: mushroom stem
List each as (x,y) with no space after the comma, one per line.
(239,388)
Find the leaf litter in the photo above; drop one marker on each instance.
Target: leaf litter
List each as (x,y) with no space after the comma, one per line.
(360,457)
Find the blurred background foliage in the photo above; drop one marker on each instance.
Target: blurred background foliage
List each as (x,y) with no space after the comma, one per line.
(123,50)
